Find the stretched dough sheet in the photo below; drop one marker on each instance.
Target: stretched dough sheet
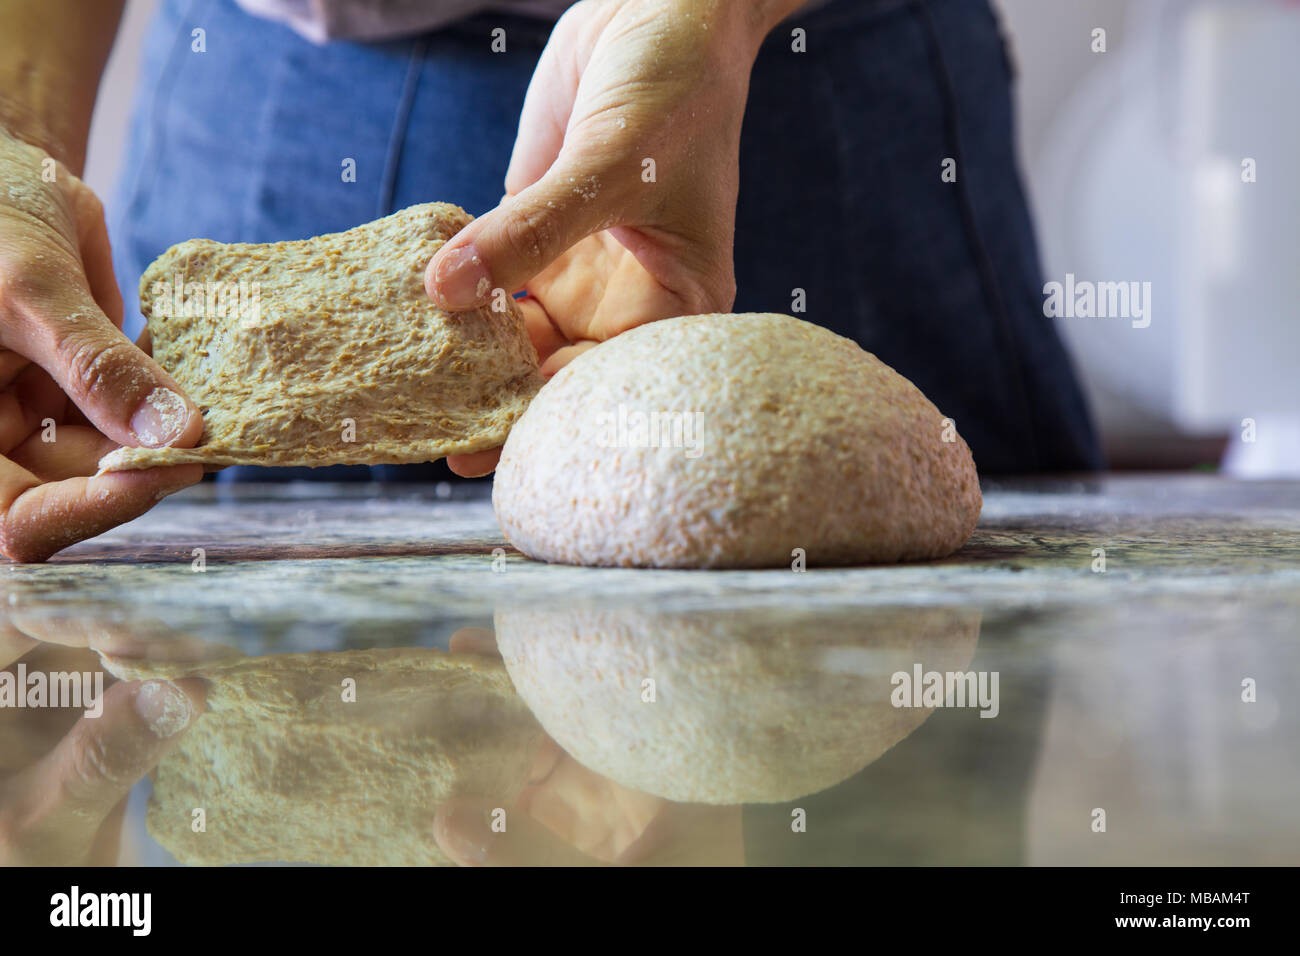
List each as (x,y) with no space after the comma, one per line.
(327,351)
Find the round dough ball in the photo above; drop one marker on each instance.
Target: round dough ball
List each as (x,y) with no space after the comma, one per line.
(730,441)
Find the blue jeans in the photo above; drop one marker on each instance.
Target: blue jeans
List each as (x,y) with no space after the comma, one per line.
(840,195)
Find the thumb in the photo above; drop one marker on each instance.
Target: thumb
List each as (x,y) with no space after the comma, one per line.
(72,790)
(122,391)
(103,756)
(505,248)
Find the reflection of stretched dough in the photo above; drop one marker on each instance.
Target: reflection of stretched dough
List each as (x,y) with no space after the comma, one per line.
(287,771)
(752,705)
(344,360)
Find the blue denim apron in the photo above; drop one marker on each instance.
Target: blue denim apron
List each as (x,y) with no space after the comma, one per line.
(840,195)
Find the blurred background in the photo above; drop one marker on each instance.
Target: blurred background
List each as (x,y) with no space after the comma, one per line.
(1159,144)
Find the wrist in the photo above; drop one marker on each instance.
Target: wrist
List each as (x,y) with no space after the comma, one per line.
(26,125)
(51,56)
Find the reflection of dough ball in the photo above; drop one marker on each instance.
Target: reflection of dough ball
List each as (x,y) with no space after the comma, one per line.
(752,704)
(730,441)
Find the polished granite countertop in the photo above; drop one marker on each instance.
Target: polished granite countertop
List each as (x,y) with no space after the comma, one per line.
(1137,639)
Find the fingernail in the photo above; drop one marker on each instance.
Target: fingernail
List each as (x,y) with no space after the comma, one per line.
(461,280)
(164,707)
(464,831)
(160,419)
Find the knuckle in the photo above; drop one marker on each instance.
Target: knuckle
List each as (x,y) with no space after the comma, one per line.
(92,362)
(88,765)
(21,541)
(92,764)
(530,233)
(90,201)
(24,278)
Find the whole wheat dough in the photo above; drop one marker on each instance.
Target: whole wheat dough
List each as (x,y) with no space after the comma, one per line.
(288,771)
(343,360)
(771,435)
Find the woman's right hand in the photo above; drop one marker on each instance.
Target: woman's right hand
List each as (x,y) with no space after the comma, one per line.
(72,386)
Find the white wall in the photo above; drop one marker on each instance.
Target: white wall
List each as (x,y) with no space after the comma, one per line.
(116,93)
